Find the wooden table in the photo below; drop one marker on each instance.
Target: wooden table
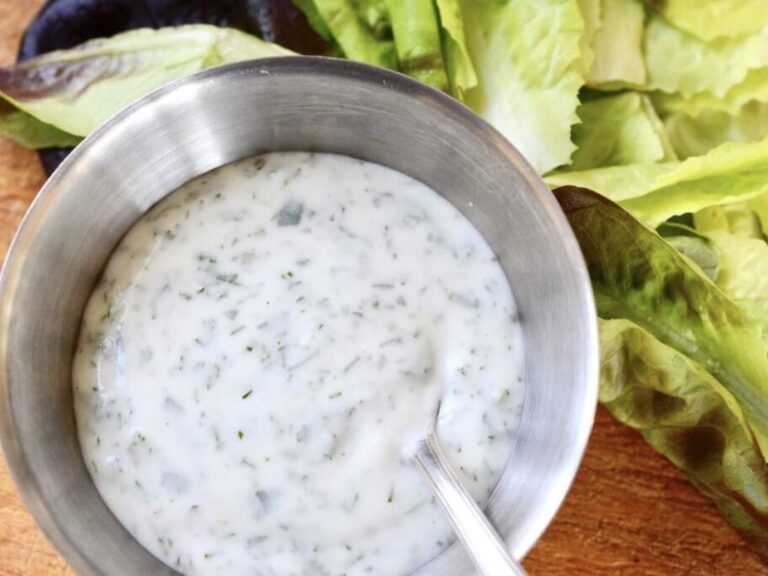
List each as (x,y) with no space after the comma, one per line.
(629,512)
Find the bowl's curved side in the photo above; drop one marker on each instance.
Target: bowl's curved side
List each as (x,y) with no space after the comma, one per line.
(219,116)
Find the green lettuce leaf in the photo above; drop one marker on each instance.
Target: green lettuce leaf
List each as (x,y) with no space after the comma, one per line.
(656,288)
(360,29)
(618,130)
(617,45)
(403,35)
(732,172)
(419,49)
(590,13)
(685,413)
(528,62)
(619,183)
(736,233)
(737,219)
(693,245)
(316,21)
(743,273)
(695,136)
(754,88)
(30,132)
(680,63)
(374,14)
(461,71)
(759,205)
(712,19)
(76,90)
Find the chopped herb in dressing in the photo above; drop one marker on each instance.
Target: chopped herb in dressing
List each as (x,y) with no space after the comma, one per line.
(263,346)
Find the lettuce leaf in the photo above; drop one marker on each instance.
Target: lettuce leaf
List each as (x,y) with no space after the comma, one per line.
(359,28)
(732,172)
(590,13)
(754,88)
(315,20)
(695,136)
(618,130)
(403,35)
(743,273)
(617,45)
(30,132)
(712,19)
(459,67)
(680,63)
(416,31)
(77,90)
(528,62)
(659,290)
(693,245)
(759,205)
(619,183)
(685,413)
(374,14)
(735,232)
(737,219)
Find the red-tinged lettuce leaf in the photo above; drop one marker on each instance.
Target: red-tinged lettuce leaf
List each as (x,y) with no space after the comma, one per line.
(681,362)
(655,287)
(76,90)
(687,415)
(63,24)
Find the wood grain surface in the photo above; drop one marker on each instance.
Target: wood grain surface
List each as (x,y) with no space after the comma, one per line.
(629,512)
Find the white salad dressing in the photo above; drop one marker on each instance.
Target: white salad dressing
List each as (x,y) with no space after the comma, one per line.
(262,347)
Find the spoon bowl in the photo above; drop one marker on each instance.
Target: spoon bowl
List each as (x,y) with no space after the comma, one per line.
(481,541)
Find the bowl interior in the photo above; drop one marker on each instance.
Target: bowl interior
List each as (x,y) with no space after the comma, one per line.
(220,116)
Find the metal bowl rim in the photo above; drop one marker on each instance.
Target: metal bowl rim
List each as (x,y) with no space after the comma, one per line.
(18,464)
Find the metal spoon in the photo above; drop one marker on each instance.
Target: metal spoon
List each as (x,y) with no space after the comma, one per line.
(481,541)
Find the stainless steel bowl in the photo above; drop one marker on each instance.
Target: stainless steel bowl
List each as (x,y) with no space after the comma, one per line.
(219,116)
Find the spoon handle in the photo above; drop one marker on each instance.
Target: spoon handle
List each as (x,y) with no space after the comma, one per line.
(481,541)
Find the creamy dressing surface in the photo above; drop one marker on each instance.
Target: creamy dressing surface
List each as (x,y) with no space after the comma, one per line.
(262,348)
